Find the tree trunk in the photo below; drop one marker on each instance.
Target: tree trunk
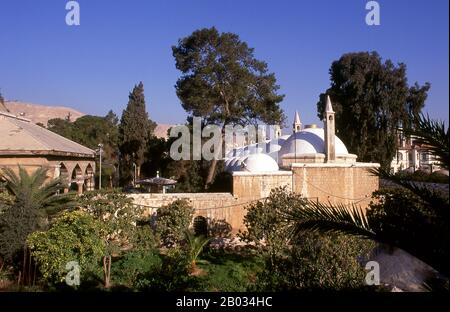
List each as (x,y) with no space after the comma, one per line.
(213,165)
(211,172)
(107,270)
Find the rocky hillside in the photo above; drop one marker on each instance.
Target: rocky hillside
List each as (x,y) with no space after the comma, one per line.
(42,113)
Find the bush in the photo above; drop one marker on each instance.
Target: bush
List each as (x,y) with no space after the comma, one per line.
(418,226)
(125,272)
(75,236)
(317,262)
(118,214)
(172,275)
(308,261)
(172,221)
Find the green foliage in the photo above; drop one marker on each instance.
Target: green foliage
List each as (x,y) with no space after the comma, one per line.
(173,221)
(225,271)
(172,275)
(118,214)
(194,247)
(224,83)
(74,236)
(157,157)
(266,221)
(33,202)
(297,259)
(433,135)
(407,221)
(317,262)
(421,176)
(90,131)
(134,131)
(371,98)
(134,264)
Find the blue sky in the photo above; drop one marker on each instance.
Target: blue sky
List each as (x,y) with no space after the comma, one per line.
(92,67)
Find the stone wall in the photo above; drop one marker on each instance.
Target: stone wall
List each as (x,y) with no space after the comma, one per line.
(336,183)
(215,207)
(252,185)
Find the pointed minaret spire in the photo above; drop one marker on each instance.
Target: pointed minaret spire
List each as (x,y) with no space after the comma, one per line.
(329,108)
(297,126)
(330,150)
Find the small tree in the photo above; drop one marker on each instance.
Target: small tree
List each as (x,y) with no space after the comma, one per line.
(33,201)
(173,221)
(75,236)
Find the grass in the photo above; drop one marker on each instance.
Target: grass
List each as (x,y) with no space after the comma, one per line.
(228,272)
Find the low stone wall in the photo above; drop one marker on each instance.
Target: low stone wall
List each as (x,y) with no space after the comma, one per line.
(215,207)
(335,183)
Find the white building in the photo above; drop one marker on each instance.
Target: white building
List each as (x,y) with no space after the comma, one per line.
(412,156)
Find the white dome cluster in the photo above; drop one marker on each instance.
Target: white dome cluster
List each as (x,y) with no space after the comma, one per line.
(303,146)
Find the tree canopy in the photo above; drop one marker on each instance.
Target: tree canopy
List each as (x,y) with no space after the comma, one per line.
(224,83)
(371,98)
(90,131)
(134,131)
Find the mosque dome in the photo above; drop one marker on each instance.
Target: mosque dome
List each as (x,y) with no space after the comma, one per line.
(310,141)
(259,163)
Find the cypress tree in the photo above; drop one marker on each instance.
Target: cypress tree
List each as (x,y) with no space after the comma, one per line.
(134,131)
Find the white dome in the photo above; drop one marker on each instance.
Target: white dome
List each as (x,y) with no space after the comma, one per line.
(259,163)
(310,141)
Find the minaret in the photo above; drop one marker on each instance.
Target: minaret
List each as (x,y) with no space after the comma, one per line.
(277,131)
(330,149)
(297,126)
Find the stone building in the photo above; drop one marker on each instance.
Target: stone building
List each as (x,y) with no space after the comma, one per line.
(23,143)
(312,162)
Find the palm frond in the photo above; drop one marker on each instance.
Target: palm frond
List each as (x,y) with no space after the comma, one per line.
(325,218)
(433,135)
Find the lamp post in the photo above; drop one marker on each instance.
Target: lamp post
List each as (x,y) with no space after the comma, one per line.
(100,146)
(134,175)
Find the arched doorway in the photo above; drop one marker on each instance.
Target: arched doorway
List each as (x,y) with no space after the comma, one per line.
(77,180)
(200,226)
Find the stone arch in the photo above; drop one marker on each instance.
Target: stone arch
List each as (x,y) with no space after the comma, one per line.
(64,176)
(89,178)
(77,179)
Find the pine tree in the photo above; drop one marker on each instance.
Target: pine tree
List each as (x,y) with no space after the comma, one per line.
(134,131)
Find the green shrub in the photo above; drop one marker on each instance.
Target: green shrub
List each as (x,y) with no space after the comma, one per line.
(317,261)
(420,227)
(134,264)
(172,275)
(173,221)
(75,236)
(308,261)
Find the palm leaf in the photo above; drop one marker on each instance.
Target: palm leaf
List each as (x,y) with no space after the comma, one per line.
(325,218)
(431,133)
